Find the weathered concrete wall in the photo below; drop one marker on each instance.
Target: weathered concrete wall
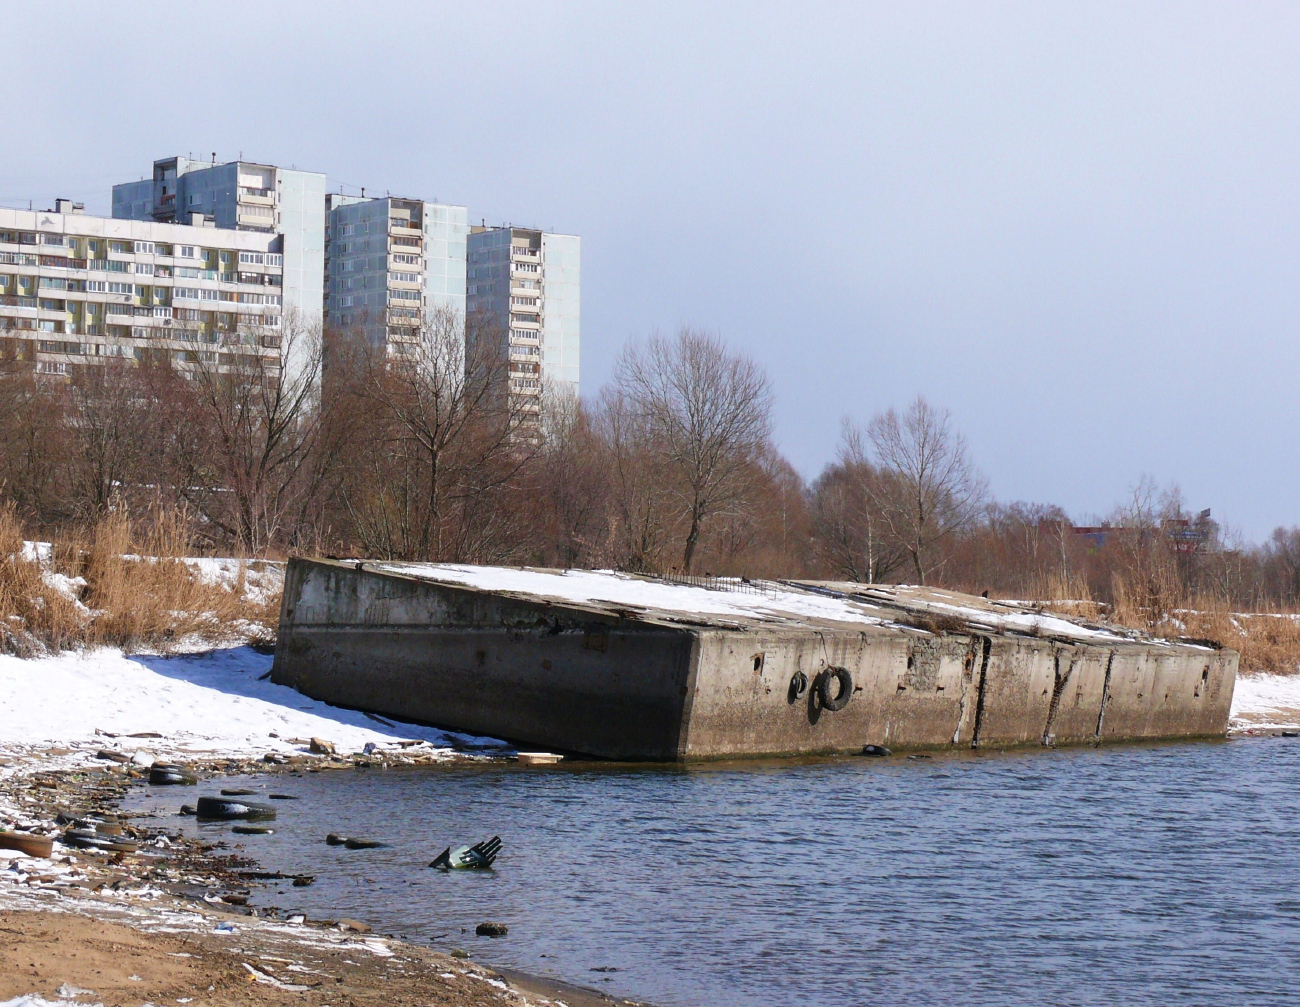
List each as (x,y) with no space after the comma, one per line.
(525,671)
(566,678)
(922,690)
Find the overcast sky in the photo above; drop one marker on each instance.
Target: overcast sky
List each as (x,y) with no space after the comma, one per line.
(1074,225)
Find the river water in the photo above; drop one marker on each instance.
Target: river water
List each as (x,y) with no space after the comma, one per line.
(1155,874)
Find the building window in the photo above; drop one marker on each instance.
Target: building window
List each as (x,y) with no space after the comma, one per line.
(120,288)
(187,251)
(407,277)
(407,260)
(144,247)
(145,268)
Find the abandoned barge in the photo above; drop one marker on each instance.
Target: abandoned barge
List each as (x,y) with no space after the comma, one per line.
(624,667)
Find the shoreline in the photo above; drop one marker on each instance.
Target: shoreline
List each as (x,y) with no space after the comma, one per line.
(221,719)
(179,900)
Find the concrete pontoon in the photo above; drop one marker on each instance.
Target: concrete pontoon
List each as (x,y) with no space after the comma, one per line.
(626,667)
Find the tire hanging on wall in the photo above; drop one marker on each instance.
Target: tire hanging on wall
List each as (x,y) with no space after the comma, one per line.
(830,699)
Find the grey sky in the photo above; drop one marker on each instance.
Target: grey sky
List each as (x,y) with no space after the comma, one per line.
(1075,225)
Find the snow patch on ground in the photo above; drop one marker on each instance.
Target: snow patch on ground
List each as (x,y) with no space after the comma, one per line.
(263,579)
(1266,701)
(209,704)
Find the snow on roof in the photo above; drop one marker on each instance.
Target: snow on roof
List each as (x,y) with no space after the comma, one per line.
(766,601)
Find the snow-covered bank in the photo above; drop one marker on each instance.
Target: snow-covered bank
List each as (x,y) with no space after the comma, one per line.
(202,705)
(1266,701)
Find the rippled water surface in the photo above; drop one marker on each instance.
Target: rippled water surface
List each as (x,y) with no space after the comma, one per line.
(1153,875)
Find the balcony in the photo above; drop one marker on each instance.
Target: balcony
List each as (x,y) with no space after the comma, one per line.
(518,254)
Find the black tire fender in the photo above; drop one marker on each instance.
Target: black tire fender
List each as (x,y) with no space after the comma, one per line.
(798,686)
(830,699)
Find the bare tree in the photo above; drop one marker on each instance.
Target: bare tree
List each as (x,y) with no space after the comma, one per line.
(572,479)
(446,440)
(851,529)
(33,440)
(112,431)
(933,490)
(708,413)
(247,426)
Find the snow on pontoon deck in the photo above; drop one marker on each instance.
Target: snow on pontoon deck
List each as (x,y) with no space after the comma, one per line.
(803,602)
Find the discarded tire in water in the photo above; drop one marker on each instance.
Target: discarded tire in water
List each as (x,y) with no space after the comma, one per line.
(363,844)
(238,793)
(826,686)
(876,750)
(221,810)
(253,830)
(163,776)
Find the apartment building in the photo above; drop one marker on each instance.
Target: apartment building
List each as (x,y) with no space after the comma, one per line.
(78,290)
(523,289)
(242,196)
(390,262)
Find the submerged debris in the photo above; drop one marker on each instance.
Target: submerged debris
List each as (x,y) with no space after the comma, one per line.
(479,856)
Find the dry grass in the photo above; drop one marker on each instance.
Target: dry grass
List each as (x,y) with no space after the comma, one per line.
(122,587)
(33,613)
(1268,640)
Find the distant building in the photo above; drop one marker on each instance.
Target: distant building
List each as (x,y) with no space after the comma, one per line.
(78,290)
(242,196)
(523,290)
(390,262)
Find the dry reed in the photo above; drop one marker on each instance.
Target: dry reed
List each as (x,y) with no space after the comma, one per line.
(1268,640)
(125,586)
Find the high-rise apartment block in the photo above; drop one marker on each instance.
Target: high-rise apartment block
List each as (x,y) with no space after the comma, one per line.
(391,263)
(242,196)
(523,289)
(203,255)
(77,289)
